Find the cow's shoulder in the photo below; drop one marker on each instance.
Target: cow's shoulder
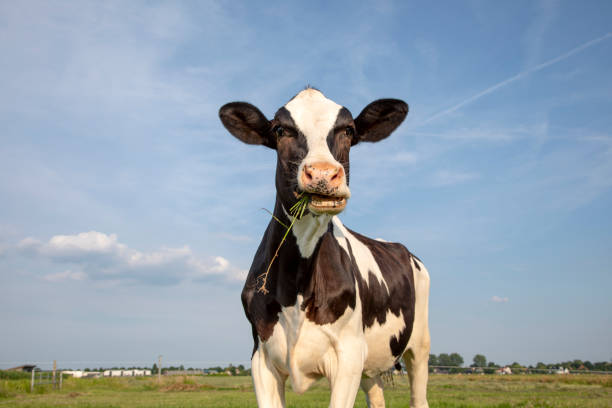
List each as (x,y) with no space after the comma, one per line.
(386,284)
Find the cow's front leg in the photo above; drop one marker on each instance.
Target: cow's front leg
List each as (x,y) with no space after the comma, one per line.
(346,377)
(373,388)
(268,381)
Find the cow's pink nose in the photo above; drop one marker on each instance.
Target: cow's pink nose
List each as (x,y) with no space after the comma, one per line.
(322,177)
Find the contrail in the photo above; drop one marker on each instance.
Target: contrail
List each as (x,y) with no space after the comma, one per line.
(518,76)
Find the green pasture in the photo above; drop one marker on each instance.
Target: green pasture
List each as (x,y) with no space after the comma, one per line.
(448,391)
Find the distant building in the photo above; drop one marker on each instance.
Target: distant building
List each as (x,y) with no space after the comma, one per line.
(127,373)
(24,368)
(74,373)
(83,374)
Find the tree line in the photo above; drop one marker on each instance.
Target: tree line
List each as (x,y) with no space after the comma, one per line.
(480,361)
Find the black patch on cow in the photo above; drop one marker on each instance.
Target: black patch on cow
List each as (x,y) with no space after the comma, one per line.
(291,149)
(339,141)
(332,286)
(394,262)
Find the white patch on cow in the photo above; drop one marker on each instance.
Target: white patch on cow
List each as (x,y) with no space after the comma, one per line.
(363,257)
(308,230)
(378,336)
(420,327)
(306,351)
(315,116)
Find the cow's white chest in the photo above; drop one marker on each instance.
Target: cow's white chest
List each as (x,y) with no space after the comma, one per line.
(306,351)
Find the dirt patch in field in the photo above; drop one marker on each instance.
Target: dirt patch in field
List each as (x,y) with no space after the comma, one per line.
(74,394)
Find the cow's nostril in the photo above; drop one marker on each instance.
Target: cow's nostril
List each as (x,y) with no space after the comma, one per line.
(308,173)
(337,176)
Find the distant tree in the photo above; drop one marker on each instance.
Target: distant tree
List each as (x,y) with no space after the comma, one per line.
(479,361)
(182,368)
(433,360)
(456,360)
(576,364)
(491,367)
(444,359)
(588,365)
(541,366)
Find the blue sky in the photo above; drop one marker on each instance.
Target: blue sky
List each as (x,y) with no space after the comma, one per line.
(128,215)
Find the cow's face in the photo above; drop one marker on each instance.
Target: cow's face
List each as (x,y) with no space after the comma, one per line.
(312,136)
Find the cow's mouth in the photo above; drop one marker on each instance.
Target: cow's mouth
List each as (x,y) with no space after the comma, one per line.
(325,204)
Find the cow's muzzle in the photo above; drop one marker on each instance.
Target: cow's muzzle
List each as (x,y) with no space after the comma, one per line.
(326,184)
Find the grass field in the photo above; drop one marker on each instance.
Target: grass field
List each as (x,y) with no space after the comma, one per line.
(448,391)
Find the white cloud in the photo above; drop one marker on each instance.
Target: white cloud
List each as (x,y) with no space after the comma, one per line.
(101,256)
(66,275)
(498,299)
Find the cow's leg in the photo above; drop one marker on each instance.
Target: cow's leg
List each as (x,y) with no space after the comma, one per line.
(346,377)
(373,388)
(417,366)
(417,355)
(269,383)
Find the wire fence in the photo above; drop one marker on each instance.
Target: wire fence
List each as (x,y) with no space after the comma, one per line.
(40,378)
(43,373)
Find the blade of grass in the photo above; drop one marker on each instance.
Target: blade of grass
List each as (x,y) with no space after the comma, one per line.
(273,216)
(297,211)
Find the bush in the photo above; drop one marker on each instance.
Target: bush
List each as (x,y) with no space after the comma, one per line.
(14,375)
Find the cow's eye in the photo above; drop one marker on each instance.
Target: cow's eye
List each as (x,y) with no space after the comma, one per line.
(349,131)
(278,131)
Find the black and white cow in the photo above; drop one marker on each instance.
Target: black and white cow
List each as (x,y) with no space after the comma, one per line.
(336,303)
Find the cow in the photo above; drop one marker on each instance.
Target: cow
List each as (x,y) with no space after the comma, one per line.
(323,300)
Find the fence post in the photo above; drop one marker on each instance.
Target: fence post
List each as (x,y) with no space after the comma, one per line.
(54,368)
(61,379)
(32,383)
(159,369)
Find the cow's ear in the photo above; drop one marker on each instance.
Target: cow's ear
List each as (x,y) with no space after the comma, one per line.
(247,123)
(379,119)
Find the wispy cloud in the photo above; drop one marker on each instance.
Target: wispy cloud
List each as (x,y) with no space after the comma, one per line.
(447,178)
(65,275)
(499,299)
(404,157)
(517,77)
(99,256)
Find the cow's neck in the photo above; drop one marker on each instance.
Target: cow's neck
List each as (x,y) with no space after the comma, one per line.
(307,230)
(291,272)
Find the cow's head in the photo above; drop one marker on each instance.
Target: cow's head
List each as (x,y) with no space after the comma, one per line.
(312,136)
